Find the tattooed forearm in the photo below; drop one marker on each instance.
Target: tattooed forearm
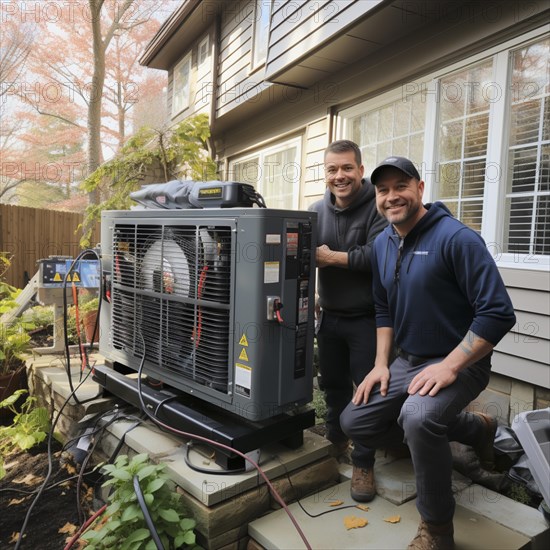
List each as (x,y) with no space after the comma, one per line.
(467,344)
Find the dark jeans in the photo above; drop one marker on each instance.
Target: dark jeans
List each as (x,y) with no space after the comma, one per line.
(426,424)
(347,349)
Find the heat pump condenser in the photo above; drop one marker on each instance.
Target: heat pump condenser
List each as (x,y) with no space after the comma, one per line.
(218,302)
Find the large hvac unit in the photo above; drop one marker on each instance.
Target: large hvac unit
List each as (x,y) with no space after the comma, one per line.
(218,303)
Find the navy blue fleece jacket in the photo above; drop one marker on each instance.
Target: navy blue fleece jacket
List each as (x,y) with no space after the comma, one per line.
(445,284)
(348,292)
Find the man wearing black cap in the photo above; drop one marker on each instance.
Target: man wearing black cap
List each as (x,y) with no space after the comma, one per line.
(348,223)
(440,299)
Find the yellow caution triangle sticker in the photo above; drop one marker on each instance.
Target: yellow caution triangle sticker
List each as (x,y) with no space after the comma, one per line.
(76,278)
(243,355)
(243,341)
(57,277)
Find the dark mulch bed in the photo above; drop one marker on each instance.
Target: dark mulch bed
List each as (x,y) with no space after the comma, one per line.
(55,514)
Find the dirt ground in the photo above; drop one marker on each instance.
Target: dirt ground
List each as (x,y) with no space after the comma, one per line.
(55,516)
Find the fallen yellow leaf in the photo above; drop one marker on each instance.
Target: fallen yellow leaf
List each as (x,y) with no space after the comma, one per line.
(70,469)
(14,537)
(363,507)
(29,479)
(353,522)
(15,501)
(68,528)
(336,503)
(393,519)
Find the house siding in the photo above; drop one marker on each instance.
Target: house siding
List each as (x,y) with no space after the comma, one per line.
(300,28)
(524,352)
(237,83)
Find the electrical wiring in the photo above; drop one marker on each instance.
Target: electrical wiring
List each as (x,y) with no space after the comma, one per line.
(309,514)
(50,464)
(76,536)
(146,514)
(65,327)
(188,435)
(208,470)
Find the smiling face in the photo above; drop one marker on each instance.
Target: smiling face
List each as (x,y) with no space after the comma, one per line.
(343,176)
(399,199)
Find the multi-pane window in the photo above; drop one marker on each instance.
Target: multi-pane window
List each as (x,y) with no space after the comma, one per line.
(274,172)
(181,85)
(396,128)
(527,227)
(464,100)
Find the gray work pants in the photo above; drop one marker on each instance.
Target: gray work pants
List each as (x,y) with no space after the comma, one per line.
(425,423)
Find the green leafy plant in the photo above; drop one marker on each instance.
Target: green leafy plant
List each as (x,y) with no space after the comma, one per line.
(123,526)
(180,152)
(14,342)
(30,426)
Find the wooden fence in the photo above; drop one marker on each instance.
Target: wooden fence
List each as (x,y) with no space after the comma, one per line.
(29,234)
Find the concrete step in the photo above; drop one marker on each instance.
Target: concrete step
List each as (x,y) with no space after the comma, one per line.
(484,519)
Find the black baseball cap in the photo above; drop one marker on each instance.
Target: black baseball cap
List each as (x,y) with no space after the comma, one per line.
(401,163)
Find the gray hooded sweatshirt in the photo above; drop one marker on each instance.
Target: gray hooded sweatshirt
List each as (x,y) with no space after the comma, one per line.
(348,292)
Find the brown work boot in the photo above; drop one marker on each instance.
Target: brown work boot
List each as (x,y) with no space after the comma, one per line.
(433,537)
(363,488)
(485,448)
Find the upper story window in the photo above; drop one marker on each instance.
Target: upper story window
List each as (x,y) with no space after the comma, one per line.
(203,55)
(181,85)
(262,15)
(274,171)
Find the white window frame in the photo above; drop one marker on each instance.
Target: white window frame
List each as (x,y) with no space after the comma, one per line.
(255,62)
(492,229)
(269,150)
(186,96)
(203,66)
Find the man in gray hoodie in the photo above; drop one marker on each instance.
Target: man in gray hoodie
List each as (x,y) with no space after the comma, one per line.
(348,223)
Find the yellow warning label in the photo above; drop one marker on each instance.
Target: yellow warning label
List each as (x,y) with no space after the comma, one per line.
(243,355)
(57,277)
(243,341)
(76,278)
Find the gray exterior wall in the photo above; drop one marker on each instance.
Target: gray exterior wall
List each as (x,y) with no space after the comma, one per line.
(317,54)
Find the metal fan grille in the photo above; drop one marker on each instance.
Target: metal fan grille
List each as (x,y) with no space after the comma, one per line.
(172,292)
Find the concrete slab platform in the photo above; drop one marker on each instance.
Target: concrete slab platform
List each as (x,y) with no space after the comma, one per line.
(275,531)
(211,488)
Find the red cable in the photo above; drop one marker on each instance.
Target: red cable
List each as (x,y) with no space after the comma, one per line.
(83,360)
(274,492)
(279,317)
(76,536)
(200,290)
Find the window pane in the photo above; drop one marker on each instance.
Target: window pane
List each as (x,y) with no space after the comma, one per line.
(281,174)
(473,179)
(523,167)
(519,222)
(528,176)
(248,171)
(524,126)
(451,141)
(393,129)
(477,131)
(449,181)
(542,226)
(464,113)
(275,172)
(471,214)
(261,31)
